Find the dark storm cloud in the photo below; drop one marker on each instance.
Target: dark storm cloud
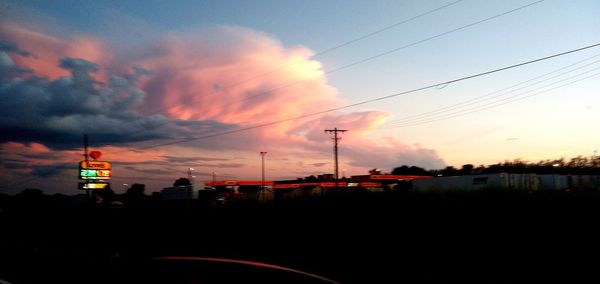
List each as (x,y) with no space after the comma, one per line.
(58,112)
(23,159)
(51,170)
(149,171)
(11,47)
(226,165)
(192,159)
(7,65)
(318,164)
(14,164)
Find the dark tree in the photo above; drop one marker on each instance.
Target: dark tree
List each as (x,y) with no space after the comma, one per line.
(135,196)
(412,170)
(449,171)
(182,182)
(106,195)
(466,169)
(311,178)
(136,189)
(479,170)
(32,192)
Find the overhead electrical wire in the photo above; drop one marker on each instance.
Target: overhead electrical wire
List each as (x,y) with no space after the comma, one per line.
(469,110)
(373,57)
(369,100)
(320,53)
(388,52)
(505,101)
(179,141)
(383,29)
(344,44)
(493,95)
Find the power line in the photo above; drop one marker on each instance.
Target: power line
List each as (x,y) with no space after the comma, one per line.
(371,100)
(287,85)
(515,100)
(462,114)
(384,29)
(364,60)
(344,44)
(359,103)
(501,102)
(320,53)
(501,92)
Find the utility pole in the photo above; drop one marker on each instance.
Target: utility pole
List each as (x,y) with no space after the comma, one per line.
(336,139)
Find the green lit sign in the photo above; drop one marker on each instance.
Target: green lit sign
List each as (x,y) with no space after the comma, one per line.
(94,174)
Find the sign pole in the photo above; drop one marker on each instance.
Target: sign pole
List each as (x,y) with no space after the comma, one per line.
(86,159)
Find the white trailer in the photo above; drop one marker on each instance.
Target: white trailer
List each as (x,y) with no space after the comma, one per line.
(475,182)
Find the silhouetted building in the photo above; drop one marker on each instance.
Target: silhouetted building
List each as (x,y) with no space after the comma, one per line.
(179,193)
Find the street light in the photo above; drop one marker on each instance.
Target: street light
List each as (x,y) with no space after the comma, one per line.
(190,176)
(262,155)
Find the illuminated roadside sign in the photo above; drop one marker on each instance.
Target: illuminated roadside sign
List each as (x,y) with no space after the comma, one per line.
(94,170)
(93,185)
(94,165)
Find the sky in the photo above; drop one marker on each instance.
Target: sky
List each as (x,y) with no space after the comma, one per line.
(163,86)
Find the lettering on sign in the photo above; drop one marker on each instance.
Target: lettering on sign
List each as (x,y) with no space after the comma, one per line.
(93,185)
(95,165)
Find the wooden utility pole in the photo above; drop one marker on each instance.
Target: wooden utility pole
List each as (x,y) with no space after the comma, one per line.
(335,139)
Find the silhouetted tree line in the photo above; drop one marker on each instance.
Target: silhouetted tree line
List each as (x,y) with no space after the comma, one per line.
(576,166)
(134,197)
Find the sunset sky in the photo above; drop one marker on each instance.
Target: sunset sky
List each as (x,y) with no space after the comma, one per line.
(150,82)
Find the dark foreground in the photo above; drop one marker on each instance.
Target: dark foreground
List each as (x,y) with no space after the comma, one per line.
(394,237)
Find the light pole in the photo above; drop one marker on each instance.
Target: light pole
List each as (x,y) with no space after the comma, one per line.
(214,176)
(262,155)
(190,176)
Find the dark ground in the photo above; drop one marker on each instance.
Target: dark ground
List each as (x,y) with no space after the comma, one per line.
(394,237)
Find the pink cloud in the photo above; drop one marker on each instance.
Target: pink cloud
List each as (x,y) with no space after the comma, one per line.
(230,75)
(244,77)
(47,50)
(225,74)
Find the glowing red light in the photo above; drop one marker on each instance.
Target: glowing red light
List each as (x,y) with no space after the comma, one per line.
(95,154)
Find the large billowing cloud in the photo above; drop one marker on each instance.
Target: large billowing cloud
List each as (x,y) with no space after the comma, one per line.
(53,90)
